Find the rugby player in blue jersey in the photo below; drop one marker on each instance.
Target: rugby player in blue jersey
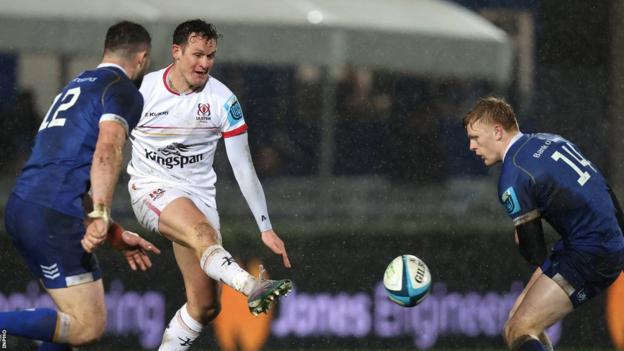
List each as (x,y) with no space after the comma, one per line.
(545,176)
(78,148)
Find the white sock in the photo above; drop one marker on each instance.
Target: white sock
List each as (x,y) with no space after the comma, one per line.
(181,332)
(219,265)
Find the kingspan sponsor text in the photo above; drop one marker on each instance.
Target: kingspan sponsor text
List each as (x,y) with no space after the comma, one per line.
(173,160)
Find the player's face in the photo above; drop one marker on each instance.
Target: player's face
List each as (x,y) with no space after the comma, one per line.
(195,60)
(484,141)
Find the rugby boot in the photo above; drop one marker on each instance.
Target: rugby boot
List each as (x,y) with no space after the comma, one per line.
(265,292)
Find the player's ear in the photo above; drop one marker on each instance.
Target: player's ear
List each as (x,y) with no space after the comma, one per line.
(176,52)
(144,57)
(498,131)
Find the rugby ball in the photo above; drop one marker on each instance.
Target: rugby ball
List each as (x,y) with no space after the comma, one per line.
(407,280)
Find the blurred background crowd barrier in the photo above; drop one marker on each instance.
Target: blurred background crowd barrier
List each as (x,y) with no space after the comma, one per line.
(354,109)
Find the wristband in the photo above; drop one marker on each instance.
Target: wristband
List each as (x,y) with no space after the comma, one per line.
(102,212)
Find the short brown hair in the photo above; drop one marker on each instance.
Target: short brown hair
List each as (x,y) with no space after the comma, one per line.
(492,110)
(202,29)
(126,39)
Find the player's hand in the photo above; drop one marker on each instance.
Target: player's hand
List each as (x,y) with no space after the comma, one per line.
(273,242)
(136,251)
(95,235)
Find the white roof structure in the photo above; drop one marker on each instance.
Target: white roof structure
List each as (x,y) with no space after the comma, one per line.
(433,38)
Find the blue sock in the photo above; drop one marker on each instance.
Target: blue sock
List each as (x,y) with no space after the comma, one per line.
(530,345)
(49,346)
(37,324)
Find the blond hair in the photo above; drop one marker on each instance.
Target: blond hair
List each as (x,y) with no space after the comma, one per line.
(492,110)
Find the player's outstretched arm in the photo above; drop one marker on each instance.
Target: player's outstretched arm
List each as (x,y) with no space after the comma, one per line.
(273,242)
(237,149)
(107,162)
(105,168)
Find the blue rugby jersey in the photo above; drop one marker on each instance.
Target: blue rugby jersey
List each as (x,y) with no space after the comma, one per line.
(57,174)
(545,175)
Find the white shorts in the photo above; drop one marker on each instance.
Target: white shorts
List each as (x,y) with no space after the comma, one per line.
(149,198)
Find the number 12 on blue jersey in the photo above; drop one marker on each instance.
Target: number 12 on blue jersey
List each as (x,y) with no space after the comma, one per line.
(56,120)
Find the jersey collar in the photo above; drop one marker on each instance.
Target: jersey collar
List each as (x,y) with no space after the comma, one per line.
(165,74)
(164,78)
(511,142)
(106,64)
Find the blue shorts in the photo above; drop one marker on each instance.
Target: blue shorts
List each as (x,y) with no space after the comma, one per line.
(586,273)
(49,241)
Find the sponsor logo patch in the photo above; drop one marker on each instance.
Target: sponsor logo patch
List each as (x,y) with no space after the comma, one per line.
(234,111)
(510,200)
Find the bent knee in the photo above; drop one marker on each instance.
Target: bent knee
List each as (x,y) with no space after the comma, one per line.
(206,235)
(87,325)
(89,336)
(87,331)
(517,328)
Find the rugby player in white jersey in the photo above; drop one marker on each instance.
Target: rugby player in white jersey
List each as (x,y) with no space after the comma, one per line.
(172,183)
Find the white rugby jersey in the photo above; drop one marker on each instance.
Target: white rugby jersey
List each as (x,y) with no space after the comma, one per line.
(177,135)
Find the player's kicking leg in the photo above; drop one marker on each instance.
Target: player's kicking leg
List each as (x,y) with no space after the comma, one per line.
(182,222)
